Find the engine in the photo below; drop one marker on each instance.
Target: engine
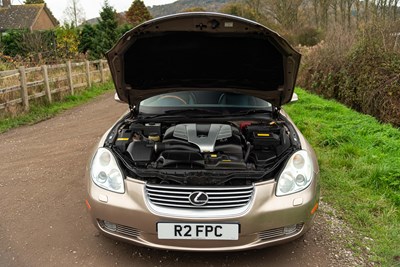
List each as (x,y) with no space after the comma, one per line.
(245,145)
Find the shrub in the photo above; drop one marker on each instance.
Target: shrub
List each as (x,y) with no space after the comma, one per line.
(67,38)
(309,36)
(13,43)
(362,71)
(238,9)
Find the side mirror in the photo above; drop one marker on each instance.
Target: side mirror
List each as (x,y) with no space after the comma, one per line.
(295,97)
(116,98)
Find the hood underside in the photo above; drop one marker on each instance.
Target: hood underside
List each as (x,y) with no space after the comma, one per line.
(203,51)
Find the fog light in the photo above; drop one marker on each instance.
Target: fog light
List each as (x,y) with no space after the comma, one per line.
(289,229)
(110,226)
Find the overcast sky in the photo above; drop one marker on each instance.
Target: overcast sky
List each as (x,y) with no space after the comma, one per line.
(92,7)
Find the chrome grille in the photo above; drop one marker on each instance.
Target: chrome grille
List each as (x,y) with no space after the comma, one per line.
(218,197)
(121,229)
(126,230)
(280,232)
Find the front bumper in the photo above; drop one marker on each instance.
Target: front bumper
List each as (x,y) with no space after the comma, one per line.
(267,220)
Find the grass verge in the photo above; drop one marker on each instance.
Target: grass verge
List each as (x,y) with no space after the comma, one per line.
(41,112)
(360,171)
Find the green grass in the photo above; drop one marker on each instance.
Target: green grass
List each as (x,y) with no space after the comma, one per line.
(360,170)
(41,112)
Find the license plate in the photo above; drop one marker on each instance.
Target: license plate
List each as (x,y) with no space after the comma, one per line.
(202,231)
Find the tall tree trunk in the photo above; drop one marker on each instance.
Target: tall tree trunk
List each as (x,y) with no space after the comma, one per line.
(75,14)
(357,14)
(366,11)
(395,7)
(316,15)
(334,6)
(343,13)
(324,13)
(349,5)
(375,5)
(383,9)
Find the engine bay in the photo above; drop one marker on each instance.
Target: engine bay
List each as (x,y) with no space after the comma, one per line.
(189,151)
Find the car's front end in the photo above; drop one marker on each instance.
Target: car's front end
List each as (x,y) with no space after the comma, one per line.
(205,160)
(264,220)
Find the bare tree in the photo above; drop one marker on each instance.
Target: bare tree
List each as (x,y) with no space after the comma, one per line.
(74,13)
(315,4)
(255,7)
(366,10)
(382,9)
(323,14)
(342,7)
(324,7)
(395,9)
(358,10)
(349,4)
(285,12)
(334,5)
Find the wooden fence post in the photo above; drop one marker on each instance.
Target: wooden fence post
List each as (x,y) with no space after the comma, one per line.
(88,78)
(101,71)
(70,81)
(24,88)
(46,83)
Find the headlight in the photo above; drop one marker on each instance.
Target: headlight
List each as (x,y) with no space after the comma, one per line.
(105,172)
(297,174)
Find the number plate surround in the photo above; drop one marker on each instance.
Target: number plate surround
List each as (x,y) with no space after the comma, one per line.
(198,231)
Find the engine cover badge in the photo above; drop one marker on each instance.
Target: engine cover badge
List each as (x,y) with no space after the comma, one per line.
(205,142)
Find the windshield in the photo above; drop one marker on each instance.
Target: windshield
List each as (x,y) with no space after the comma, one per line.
(226,103)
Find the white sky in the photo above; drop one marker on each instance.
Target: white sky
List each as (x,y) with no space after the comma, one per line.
(92,7)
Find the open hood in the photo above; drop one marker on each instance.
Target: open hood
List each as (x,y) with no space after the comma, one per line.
(203,51)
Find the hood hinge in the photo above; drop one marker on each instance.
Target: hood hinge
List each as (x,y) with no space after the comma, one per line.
(277,109)
(133,109)
(276,112)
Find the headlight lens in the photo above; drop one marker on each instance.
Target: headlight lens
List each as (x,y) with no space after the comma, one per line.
(105,172)
(297,174)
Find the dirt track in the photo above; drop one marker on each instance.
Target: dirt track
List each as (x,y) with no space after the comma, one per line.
(43,219)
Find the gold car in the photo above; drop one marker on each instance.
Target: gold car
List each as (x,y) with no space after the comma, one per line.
(205,159)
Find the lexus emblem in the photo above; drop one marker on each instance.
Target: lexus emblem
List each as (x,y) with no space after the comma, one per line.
(198,198)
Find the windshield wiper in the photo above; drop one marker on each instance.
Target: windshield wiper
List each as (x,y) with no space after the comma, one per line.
(184,112)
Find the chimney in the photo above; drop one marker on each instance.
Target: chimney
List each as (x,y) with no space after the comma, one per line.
(6,3)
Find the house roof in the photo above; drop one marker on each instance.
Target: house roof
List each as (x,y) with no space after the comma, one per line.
(22,16)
